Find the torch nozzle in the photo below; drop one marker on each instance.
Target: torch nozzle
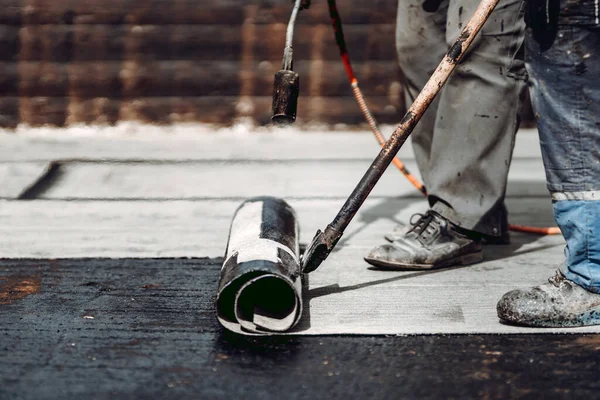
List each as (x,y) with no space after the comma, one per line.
(285,97)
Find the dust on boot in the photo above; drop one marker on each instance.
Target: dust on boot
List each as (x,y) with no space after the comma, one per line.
(558,303)
(432,242)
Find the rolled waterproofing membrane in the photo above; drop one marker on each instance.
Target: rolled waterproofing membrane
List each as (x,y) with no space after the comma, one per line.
(260,286)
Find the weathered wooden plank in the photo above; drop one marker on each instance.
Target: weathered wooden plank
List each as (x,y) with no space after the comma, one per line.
(10,12)
(210,109)
(98,110)
(329,78)
(98,42)
(204,42)
(52,43)
(190,42)
(183,42)
(9,79)
(218,42)
(351,11)
(111,12)
(224,109)
(132,12)
(83,42)
(9,111)
(38,111)
(86,80)
(180,78)
(228,12)
(365,42)
(45,79)
(47,12)
(9,43)
(333,110)
(189,78)
(95,79)
(224,78)
(234,12)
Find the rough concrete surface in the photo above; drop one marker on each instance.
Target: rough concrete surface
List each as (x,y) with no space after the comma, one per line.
(174,205)
(96,300)
(16,178)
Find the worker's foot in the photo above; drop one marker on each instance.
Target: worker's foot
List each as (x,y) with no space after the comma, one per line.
(432,242)
(556,304)
(400,230)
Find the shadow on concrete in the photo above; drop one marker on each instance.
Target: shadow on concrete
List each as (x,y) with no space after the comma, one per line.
(502,252)
(335,288)
(304,323)
(388,208)
(535,211)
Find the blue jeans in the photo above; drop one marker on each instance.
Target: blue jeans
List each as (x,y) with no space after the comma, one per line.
(565,75)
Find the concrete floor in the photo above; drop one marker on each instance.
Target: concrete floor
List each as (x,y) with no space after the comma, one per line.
(174,196)
(95,200)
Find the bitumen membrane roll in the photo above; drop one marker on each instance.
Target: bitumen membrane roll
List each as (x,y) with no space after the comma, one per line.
(260,288)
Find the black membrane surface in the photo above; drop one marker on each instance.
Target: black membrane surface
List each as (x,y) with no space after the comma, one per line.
(146,328)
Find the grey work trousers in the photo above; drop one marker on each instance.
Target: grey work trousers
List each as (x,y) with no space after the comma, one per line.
(464,142)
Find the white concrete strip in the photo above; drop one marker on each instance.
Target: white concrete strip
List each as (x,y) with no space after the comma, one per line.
(17,177)
(586,195)
(202,142)
(220,180)
(230,179)
(61,229)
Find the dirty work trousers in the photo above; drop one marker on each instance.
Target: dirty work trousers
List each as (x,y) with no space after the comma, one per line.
(564,66)
(464,142)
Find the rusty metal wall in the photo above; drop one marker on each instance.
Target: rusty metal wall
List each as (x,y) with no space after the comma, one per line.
(66,62)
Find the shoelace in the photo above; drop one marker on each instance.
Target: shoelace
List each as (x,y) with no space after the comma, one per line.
(424,227)
(558,278)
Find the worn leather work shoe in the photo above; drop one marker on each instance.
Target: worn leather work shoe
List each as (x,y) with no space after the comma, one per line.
(556,304)
(432,242)
(397,233)
(400,230)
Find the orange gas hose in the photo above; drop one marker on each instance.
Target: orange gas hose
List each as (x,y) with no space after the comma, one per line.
(336,22)
(381,139)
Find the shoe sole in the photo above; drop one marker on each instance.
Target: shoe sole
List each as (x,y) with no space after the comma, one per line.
(466,259)
(390,238)
(499,241)
(588,318)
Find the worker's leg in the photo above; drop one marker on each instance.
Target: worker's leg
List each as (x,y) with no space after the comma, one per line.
(470,149)
(566,97)
(421,45)
(477,119)
(566,92)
